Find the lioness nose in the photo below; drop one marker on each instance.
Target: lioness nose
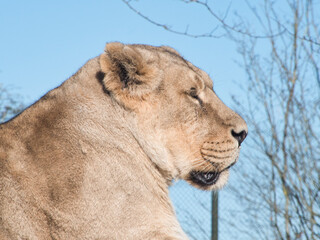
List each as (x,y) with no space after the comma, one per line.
(240,136)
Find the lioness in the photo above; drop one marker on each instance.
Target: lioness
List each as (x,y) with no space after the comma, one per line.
(93,158)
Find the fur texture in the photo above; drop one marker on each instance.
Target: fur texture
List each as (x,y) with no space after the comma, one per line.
(93,158)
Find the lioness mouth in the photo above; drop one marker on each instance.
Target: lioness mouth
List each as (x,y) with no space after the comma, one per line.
(204,178)
(207,178)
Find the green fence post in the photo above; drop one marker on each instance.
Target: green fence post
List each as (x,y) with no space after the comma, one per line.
(214,208)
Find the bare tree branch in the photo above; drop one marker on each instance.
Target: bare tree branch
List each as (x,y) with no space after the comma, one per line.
(9,105)
(221,23)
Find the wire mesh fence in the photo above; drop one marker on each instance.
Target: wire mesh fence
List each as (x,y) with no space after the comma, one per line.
(195,211)
(244,212)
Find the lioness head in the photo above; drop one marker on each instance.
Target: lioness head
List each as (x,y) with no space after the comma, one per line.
(177,118)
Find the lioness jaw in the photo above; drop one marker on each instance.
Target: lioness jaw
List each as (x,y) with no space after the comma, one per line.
(93,158)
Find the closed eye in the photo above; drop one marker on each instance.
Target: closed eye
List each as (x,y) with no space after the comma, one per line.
(194,94)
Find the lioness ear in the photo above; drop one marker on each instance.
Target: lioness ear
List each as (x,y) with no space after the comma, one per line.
(127,74)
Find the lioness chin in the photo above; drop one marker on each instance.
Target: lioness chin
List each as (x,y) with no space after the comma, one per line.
(93,158)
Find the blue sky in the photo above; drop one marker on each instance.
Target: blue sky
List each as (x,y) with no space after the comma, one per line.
(45,42)
(42,43)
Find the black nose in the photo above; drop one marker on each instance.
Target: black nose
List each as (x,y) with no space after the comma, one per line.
(239,136)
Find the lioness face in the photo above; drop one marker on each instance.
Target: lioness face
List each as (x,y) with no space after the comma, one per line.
(180,122)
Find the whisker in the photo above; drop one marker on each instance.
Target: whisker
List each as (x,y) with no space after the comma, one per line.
(204,166)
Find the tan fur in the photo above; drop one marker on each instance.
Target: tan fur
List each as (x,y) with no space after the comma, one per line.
(93,158)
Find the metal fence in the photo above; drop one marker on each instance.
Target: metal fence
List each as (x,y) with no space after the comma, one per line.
(207,215)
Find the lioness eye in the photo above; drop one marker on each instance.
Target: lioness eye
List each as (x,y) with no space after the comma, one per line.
(193,93)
